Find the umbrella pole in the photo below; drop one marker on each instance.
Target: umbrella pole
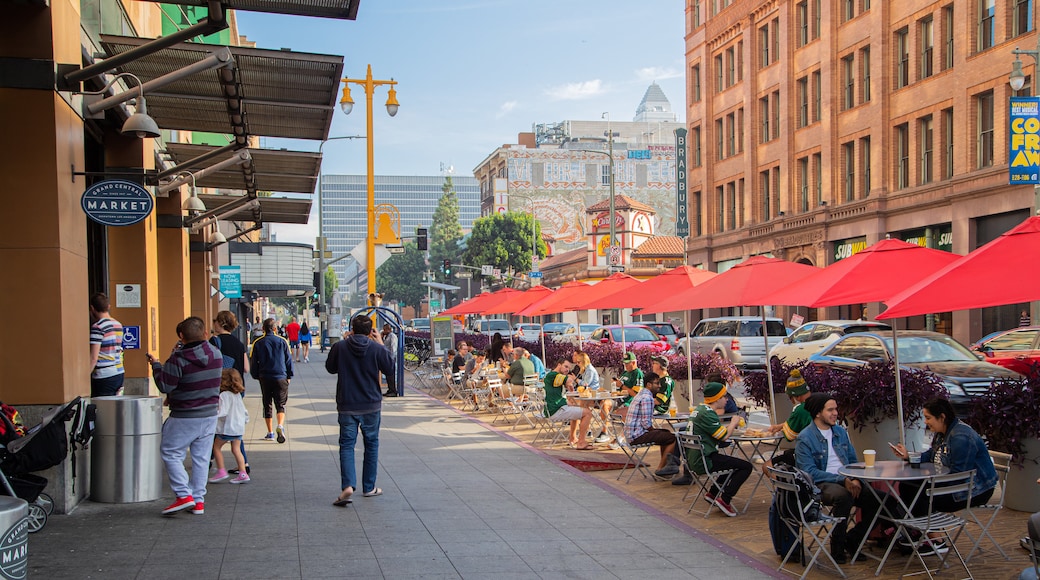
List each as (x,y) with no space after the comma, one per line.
(899,384)
(689,361)
(541,334)
(769,369)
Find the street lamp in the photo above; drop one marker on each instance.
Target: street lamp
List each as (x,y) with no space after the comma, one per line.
(613,239)
(347,104)
(1017,80)
(534,234)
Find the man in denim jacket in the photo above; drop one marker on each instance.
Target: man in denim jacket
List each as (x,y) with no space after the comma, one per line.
(821,450)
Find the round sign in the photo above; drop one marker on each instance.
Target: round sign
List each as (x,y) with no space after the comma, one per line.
(117,202)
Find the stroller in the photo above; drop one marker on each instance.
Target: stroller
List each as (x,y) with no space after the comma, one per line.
(42,447)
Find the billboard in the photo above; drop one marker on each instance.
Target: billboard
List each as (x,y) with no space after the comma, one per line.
(1024,144)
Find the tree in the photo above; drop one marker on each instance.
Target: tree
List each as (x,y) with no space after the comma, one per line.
(445,232)
(400,276)
(331,283)
(504,241)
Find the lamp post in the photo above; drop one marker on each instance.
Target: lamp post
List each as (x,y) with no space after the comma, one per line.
(534,234)
(347,104)
(613,239)
(1017,80)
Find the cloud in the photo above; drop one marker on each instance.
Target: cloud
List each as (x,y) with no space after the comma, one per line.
(657,73)
(506,108)
(576,91)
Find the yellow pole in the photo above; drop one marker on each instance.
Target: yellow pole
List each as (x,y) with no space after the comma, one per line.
(370,250)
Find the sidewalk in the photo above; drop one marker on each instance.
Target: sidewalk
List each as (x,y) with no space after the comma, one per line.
(460,501)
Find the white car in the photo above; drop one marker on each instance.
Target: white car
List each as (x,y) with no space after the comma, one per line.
(570,336)
(812,337)
(530,332)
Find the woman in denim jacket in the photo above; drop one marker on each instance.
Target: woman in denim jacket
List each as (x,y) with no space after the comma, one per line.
(958,447)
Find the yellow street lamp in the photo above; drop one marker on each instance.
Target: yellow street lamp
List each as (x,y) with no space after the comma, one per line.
(347,105)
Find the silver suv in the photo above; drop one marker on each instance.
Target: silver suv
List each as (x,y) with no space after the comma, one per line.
(736,338)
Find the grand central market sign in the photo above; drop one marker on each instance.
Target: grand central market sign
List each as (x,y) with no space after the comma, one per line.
(117,202)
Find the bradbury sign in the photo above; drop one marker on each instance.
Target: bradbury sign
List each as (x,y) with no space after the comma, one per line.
(117,202)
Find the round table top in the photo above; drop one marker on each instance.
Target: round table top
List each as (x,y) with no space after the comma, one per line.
(599,395)
(892,470)
(740,436)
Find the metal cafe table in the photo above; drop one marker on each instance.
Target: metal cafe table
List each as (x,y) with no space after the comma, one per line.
(890,473)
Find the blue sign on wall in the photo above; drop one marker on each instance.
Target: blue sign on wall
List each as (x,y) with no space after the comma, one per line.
(1024,144)
(131,337)
(231,281)
(117,202)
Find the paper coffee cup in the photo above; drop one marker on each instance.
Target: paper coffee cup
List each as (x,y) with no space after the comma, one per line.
(869,455)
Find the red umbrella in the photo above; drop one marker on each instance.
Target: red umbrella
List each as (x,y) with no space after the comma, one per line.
(480,302)
(646,293)
(872,275)
(517,302)
(608,286)
(466,306)
(959,286)
(548,305)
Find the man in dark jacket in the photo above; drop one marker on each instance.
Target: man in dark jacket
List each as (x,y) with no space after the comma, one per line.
(191,380)
(358,360)
(271,363)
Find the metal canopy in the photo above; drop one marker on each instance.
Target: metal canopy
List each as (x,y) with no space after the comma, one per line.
(280,210)
(282,93)
(274,169)
(341,9)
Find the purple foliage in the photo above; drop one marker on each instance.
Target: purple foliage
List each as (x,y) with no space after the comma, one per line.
(1008,414)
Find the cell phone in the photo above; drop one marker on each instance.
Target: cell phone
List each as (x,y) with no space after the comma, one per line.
(893,446)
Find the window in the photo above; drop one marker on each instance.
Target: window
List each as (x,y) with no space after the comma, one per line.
(947,23)
(848,84)
(803,183)
(696,146)
(1022,17)
(802,16)
(864,67)
(902,59)
(740,61)
(864,162)
(730,68)
(763,108)
(731,135)
(764,47)
(984,111)
(816,19)
(947,130)
(740,130)
(718,74)
(731,209)
(775,29)
(695,83)
(902,156)
(803,102)
(719,140)
(766,195)
(695,218)
(866,5)
(720,208)
(848,11)
(817,167)
(817,90)
(776,114)
(776,191)
(924,134)
(927,45)
(696,13)
(848,158)
(604,175)
(987,23)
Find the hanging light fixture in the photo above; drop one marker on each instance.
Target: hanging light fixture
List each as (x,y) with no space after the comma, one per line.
(139,124)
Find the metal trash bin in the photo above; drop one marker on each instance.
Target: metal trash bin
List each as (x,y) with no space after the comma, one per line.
(126,465)
(14,538)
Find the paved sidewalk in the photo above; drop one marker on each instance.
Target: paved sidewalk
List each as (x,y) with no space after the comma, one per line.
(460,501)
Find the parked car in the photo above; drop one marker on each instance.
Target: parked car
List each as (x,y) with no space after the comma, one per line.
(735,338)
(631,336)
(812,337)
(420,324)
(530,332)
(666,330)
(964,375)
(570,335)
(1017,349)
(551,329)
(491,326)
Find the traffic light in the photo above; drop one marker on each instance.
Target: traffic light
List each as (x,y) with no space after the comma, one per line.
(420,238)
(447,267)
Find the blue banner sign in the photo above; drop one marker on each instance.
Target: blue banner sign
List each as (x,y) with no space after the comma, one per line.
(639,154)
(131,337)
(231,281)
(117,202)
(682,223)
(1024,145)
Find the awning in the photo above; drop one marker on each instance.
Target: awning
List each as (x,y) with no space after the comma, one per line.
(282,210)
(274,169)
(341,9)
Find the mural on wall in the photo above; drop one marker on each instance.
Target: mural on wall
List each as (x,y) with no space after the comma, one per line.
(562,183)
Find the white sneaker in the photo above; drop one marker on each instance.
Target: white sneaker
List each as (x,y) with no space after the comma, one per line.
(603,438)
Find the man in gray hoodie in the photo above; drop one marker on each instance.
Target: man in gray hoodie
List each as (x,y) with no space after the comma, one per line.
(191,380)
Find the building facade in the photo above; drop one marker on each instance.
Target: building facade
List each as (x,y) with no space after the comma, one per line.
(345,221)
(818,128)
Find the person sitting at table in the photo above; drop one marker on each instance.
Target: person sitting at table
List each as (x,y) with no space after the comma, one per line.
(958,447)
(705,422)
(557,409)
(639,426)
(539,366)
(513,378)
(823,448)
(458,362)
(663,396)
(587,376)
(731,403)
(630,382)
(495,349)
(798,391)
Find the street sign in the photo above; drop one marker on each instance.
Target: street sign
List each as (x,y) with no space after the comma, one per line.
(615,255)
(435,304)
(231,281)
(682,224)
(463,274)
(497,272)
(395,249)
(536,274)
(131,337)
(487,270)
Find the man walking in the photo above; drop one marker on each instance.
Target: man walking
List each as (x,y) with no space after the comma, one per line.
(292,332)
(271,364)
(358,360)
(191,380)
(106,349)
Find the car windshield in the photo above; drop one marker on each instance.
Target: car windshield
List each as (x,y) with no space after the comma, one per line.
(555,326)
(587,329)
(924,349)
(754,328)
(528,327)
(663,328)
(634,334)
(492,325)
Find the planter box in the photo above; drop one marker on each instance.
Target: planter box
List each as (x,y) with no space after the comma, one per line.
(877,437)
(1022,492)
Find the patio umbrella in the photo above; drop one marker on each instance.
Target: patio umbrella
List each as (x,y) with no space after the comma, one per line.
(605,287)
(868,276)
(471,306)
(746,284)
(959,286)
(517,302)
(551,303)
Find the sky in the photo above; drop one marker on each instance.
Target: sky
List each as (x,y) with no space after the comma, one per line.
(473,74)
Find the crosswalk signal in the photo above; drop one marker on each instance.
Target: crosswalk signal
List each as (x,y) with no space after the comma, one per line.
(447,267)
(420,239)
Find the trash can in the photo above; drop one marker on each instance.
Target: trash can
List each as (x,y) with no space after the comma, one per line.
(126,466)
(14,538)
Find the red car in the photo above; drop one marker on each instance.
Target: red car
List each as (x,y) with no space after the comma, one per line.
(1017,349)
(635,336)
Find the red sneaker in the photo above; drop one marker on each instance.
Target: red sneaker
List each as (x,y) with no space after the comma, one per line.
(182,503)
(724,506)
(199,509)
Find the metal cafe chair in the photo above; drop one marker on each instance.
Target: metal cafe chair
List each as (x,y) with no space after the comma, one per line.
(817,530)
(689,442)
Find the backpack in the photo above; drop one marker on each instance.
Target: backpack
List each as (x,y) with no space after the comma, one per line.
(782,536)
(808,496)
(227,362)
